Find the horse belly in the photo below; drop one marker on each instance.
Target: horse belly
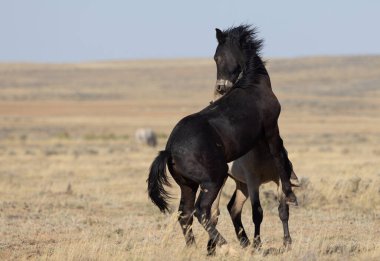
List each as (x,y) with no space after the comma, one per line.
(236,170)
(258,164)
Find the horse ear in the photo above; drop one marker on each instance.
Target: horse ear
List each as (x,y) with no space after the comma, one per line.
(220,36)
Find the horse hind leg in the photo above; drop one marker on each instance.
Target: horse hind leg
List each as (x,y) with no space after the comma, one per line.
(208,194)
(186,211)
(257,216)
(215,212)
(235,207)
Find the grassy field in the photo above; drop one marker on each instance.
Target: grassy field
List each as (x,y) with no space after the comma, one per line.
(72,178)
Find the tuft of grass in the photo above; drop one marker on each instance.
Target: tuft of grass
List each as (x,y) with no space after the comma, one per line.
(162,135)
(64,135)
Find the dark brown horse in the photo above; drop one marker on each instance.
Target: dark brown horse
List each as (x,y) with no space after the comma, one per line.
(249,173)
(201,144)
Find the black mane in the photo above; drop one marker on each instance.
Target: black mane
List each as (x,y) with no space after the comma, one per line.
(245,36)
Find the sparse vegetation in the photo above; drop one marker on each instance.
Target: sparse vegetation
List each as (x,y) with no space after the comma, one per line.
(72,182)
(105,136)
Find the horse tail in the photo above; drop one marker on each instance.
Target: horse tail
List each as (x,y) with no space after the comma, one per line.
(157,179)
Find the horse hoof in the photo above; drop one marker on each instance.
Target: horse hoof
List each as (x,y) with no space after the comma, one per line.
(211,252)
(287,243)
(190,242)
(211,246)
(221,241)
(244,242)
(291,199)
(257,243)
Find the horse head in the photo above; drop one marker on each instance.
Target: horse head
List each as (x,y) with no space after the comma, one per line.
(235,46)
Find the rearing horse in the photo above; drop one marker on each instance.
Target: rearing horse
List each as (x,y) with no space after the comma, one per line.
(249,172)
(201,144)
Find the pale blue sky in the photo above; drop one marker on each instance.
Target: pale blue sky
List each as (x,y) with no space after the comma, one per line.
(83,30)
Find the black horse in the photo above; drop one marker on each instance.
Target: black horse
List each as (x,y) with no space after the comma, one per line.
(201,144)
(249,173)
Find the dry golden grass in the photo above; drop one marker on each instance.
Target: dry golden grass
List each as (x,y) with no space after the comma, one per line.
(72,178)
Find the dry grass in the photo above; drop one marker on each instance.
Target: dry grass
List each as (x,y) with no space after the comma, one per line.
(72,179)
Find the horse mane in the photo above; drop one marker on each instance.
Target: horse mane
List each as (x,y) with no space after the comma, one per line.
(245,36)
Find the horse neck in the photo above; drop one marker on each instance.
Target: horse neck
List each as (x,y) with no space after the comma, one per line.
(254,68)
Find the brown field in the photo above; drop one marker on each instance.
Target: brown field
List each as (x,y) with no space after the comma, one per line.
(72,178)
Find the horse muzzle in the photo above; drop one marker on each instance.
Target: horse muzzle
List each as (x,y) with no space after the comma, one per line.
(222,86)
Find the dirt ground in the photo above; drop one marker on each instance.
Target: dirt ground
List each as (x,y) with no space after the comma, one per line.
(72,177)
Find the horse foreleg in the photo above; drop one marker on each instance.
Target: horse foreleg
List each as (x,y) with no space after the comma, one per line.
(253,184)
(276,147)
(257,216)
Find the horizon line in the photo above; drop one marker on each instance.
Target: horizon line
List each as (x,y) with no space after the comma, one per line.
(183,58)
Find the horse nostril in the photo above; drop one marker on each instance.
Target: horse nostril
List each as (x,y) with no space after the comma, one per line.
(219,88)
